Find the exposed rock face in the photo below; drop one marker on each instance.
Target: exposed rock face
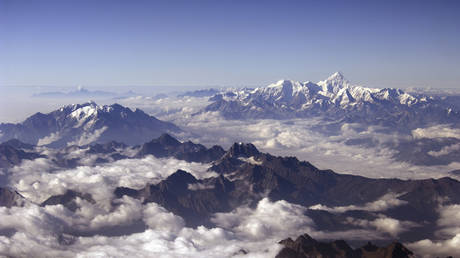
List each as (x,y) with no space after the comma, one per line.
(13,152)
(305,247)
(10,198)
(68,199)
(87,123)
(167,146)
(247,174)
(181,193)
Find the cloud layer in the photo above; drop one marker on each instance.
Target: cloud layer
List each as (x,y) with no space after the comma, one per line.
(387,201)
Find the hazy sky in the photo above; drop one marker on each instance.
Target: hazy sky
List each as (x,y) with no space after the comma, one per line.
(107,43)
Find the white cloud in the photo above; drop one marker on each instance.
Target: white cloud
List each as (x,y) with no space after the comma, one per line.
(39,179)
(266,220)
(304,139)
(88,137)
(449,234)
(49,139)
(443,248)
(199,186)
(438,131)
(158,218)
(445,150)
(384,224)
(449,220)
(251,160)
(389,200)
(38,231)
(255,230)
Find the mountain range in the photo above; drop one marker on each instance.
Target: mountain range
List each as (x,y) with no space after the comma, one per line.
(335,99)
(245,176)
(81,124)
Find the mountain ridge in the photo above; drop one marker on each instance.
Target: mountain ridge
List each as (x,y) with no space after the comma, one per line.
(334,99)
(81,124)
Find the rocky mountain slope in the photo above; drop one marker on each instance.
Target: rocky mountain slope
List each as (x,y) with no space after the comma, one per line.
(246,176)
(242,177)
(82,124)
(305,246)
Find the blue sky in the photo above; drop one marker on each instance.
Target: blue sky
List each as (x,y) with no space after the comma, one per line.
(228,43)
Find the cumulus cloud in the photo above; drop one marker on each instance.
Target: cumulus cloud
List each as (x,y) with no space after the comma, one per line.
(39,179)
(158,218)
(449,234)
(281,219)
(88,137)
(389,200)
(384,224)
(266,220)
(438,131)
(49,139)
(443,248)
(42,231)
(449,221)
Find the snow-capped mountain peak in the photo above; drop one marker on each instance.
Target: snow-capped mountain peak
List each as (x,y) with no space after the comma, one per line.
(81,124)
(85,111)
(333,84)
(283,89)
(337,76)
(335,98)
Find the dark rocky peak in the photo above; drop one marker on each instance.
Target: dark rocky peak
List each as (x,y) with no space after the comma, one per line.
(121,191)
(288,242)
(168,146)
(168,140)
(395,249)
(305,239)
(118,107)
(11,156)
(160,147)
(305,246)
(217,150)
(68,199)
(192,147)
(180,178)
(10,198)
(37,119)
(242,150)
